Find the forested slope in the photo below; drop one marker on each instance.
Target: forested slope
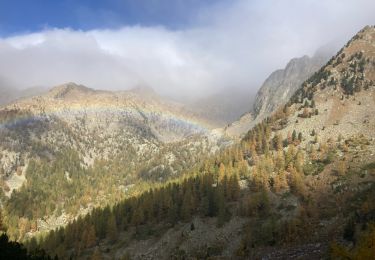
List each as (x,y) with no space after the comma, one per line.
(300,184)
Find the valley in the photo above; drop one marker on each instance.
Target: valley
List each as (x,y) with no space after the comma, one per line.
(97,174)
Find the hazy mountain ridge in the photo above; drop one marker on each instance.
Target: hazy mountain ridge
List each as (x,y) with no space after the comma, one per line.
(145,137)
(9,94)
(298,184)
(282,84)
(224,107)
(88,114)
(69,101)
(307,181)
(277,89)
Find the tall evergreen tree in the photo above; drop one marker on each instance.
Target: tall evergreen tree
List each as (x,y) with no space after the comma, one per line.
(112,232)
(91,237)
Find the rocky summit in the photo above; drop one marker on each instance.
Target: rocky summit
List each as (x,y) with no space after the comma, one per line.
(276,91)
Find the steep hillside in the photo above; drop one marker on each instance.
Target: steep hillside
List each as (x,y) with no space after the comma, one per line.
(96,146)
(282,84)
(300,185)
(277,89)
(338,99)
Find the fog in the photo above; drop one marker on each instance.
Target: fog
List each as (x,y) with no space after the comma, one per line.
(231,44)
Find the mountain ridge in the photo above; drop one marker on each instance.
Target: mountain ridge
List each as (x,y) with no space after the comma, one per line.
(300,184)
(276,90)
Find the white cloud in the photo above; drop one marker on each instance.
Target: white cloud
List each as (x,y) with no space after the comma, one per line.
(230,45)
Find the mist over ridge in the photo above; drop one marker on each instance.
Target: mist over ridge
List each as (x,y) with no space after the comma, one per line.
(228,46)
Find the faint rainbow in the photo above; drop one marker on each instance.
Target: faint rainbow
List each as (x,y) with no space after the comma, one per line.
(78,110)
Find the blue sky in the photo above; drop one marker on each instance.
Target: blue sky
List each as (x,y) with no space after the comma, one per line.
(19,16)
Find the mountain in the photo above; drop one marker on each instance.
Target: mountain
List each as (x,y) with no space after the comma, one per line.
(223,107)
(277,89)
(282,84)
(9,94)
(342,92)
(96,146)
(299,185)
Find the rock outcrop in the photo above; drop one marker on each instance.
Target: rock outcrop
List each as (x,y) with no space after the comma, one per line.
(277,89)
(282,84)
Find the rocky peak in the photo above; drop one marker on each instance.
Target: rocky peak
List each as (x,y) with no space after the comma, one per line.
(277,89)
(282,84)
(69,90)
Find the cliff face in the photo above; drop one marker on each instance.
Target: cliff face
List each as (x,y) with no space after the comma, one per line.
(282,84)
(276,90)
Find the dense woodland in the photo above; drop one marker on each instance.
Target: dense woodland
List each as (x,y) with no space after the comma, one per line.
(14,250)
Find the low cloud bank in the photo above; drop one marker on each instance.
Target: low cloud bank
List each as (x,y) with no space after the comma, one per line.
(232,45)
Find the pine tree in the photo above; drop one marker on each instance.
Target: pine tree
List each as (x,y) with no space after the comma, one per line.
(280,162)
(289,138)
(173,214)
(294,135)
(221,171)
(299,161)
(300,137)
(243,168)
(316,139)
(268,132)
(296,182)
(279,142)
(32,245)
(70,234)
(187,206)
(266,147)
(224,184)
(221,208)
(91,237)
(112,228)
(289,156)
(280,182)
(138,217)
(233,187)
(254,154)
